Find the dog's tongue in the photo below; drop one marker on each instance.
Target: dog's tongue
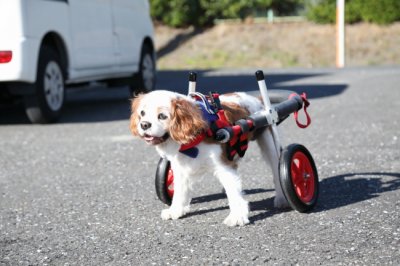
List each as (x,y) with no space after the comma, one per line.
(148,138)
(153,140)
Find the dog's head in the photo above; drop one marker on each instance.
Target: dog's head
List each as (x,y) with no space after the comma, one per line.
(160,115)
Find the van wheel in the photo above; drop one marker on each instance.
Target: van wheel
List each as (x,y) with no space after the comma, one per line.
(49,89)
(145,79)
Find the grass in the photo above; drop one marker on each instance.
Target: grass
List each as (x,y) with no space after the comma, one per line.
(280,46)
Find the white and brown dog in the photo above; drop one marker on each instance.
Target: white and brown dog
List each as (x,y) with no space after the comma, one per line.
(167,120)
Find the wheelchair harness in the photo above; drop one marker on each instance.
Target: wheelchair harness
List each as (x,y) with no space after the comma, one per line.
(213,112)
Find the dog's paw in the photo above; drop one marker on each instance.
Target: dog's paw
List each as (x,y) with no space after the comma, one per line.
(173,214)
(236,220)
(280,202)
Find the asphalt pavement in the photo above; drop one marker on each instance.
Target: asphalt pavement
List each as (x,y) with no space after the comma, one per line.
(81,192)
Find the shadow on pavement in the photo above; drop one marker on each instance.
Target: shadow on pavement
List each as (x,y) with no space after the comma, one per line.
(13,115)
(342,190)
(87,105)
(225,83)
(335,192)
(110,104)
(97,105)
(220,196)
(338,191)
(266,206)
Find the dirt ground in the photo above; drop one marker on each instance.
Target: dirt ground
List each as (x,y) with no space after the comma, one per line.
(277,45)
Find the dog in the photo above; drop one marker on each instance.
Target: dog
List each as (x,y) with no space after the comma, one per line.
(168,120)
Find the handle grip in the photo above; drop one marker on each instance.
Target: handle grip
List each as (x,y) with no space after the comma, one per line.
(284,109)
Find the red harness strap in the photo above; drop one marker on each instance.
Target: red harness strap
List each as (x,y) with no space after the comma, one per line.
(296,114)
(199,138)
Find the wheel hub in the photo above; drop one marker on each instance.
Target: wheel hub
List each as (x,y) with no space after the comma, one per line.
(148,71)
(53,86)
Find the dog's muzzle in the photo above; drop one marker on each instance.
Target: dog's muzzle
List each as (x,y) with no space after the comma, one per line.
(155,140)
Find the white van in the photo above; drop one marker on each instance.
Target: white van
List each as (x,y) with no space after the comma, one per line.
(46,45)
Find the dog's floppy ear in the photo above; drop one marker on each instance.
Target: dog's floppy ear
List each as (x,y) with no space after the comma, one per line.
(134,120)
(186,121)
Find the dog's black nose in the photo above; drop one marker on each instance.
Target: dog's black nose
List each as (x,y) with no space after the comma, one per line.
(145,125)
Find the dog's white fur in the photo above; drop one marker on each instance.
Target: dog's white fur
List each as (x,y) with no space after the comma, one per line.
(153,119)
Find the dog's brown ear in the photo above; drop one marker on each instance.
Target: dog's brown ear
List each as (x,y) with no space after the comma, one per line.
(234,112)
(134,119)
(186,121)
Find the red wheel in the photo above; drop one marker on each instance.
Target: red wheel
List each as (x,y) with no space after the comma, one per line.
(170,183)
(299,177)
(164,181)
(302,177)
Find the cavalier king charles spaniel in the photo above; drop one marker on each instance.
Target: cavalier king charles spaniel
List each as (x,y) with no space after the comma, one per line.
(167,120)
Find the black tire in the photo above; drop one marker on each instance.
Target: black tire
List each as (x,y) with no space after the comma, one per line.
(46,105)
(145,79)
(163,181)
(300,185)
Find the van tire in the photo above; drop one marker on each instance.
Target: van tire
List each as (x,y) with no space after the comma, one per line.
(145,79)
(47,102)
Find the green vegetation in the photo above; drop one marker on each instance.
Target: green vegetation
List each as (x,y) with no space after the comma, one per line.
(200,13)
(180,13)
(375,11)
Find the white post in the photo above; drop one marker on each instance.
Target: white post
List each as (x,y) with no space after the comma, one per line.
(340,34)
(192,82)
(270,15)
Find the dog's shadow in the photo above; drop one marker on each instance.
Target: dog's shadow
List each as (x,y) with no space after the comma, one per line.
(265,205)
(334,192)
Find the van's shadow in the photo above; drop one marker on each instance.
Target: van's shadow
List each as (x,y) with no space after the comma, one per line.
(102,104)
(335,192)
(87,105)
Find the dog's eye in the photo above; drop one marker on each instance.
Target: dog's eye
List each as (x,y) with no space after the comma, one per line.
(142,113)
(162,116)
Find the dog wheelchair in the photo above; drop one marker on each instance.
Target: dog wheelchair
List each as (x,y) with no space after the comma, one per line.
(293,164)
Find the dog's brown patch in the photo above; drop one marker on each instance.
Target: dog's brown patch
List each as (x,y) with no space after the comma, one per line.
(234,112)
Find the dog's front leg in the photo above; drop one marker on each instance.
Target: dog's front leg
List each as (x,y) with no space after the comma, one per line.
(181,200)
(239,208)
